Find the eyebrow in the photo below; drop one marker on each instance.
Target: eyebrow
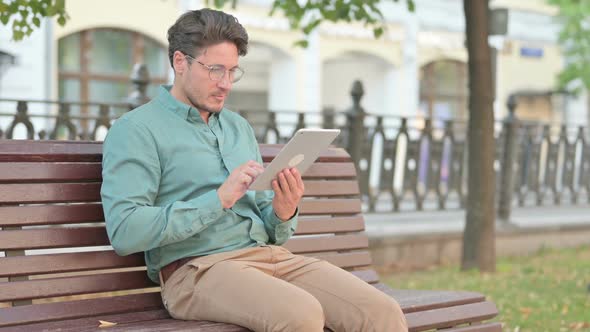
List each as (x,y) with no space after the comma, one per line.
(220,65)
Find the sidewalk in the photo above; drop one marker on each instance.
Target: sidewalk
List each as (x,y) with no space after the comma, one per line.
(420,239)
(453,221)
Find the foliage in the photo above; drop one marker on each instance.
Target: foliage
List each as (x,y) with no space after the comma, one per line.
(575,42)
(547,291)
(307,15)
(26,15)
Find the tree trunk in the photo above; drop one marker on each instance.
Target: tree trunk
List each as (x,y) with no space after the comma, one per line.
(479,236)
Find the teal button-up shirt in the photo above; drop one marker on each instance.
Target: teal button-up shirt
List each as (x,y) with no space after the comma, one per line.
(162,166)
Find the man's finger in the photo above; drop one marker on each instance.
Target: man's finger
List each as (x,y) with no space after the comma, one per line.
(284,183)
(254,164)
(297,177)
(246,179)
(276,188)
(253,172)
(291,179)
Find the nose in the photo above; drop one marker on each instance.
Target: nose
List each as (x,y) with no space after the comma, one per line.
(225,82)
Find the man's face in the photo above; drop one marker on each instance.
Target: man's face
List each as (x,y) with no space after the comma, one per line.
(202,92)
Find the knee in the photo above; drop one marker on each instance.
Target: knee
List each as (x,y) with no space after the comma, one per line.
(305,315)
(386,315)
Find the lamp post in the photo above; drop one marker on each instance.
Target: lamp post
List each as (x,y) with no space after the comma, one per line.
(498,26)
(6,60)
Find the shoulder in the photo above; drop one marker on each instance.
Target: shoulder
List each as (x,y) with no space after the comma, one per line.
(131,126)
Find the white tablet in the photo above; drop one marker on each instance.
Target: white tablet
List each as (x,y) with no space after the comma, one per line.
(300,152)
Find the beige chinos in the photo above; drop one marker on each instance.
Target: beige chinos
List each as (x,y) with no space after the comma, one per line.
(270,289)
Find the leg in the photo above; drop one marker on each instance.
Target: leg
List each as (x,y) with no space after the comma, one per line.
(349,303)
(238,293)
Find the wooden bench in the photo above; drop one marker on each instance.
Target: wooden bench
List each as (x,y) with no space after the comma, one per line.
(49,199)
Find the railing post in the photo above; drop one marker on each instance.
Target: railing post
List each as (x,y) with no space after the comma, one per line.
(140,78)
(21,116)
(508,160)
(356,118)
(328,118)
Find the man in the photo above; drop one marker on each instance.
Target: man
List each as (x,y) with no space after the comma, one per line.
(176,173)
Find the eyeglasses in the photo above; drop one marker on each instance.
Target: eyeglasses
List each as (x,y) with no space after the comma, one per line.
(217,72)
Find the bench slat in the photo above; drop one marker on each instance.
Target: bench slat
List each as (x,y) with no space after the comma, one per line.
(13,172)
(348,260)
(332,188)
(101,260)
(50,192)
(50,214)
(48,151)
(486,327)
(49,172)
(88,284)
(92,212)
(318,225)
(413,300)
(156,320)
(89,151)
(68,262)
(77,309)
(301,245)
(369,276)
(90,192)
(66,286)
(330,206)
(451,316)
(171,325)
(330,170)
(96,236)
(53,238)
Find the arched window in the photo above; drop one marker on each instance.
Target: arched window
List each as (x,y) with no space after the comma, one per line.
(443,90)
(94,65)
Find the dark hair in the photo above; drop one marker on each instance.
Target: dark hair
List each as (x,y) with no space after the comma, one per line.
(197,29)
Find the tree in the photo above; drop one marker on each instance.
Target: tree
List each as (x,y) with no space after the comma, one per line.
(25,15)
(479,236)
(306,16)
(574,38)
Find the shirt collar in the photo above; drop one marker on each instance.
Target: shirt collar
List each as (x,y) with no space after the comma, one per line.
(186,112)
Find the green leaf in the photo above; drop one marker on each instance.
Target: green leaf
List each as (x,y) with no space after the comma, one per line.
(301,43)
(378,32)
(311,26)
(61,20)
(36,22)
(17,35)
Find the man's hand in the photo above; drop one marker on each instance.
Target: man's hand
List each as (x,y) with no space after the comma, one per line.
(237,183)
(288,188)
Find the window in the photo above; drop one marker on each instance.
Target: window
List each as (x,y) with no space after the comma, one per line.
(443,90)
(94,65)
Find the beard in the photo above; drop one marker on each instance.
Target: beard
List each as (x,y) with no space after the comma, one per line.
(204,108)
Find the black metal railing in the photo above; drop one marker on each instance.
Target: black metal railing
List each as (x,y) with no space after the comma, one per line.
(404,163)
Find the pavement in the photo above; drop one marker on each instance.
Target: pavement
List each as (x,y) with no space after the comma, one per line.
(394,224)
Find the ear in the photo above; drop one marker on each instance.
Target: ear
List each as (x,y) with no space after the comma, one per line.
(180,63)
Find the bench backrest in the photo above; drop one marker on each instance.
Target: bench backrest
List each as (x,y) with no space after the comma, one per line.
(54,242)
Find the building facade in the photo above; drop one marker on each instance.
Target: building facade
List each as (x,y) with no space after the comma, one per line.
(417,69)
